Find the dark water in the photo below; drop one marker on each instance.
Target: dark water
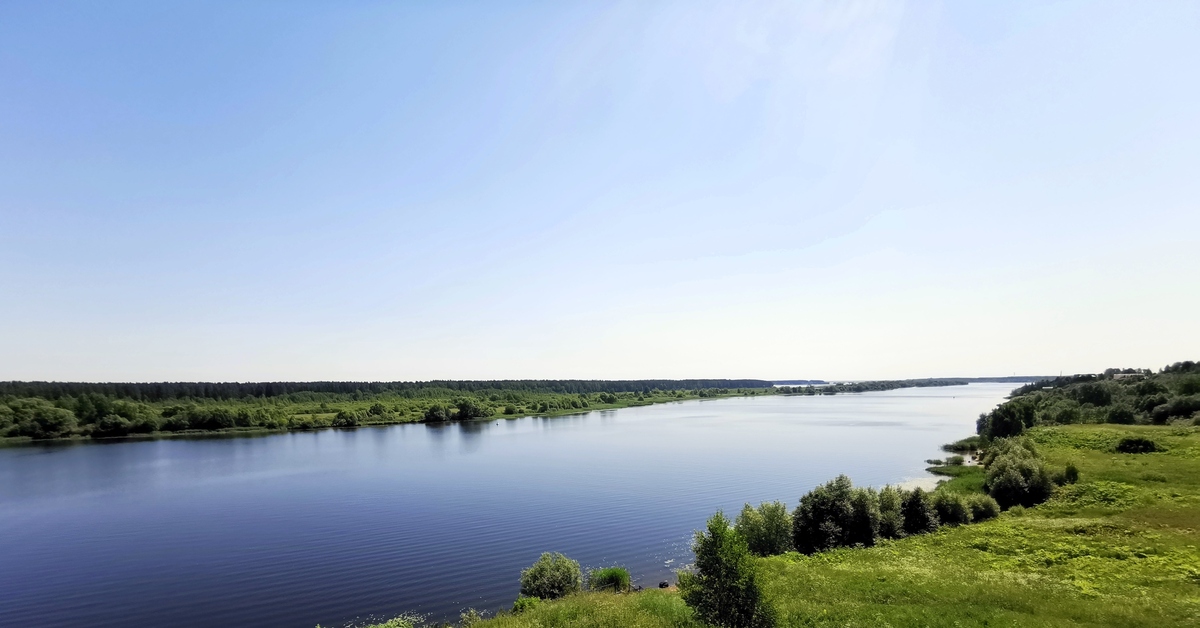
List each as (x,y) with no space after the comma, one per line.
(342,526)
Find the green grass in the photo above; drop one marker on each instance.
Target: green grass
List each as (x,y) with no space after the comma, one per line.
(1117,549)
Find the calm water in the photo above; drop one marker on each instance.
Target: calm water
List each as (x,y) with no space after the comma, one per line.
(342,526)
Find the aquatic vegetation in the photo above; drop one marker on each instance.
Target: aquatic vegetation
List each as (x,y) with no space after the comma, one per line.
(614,579)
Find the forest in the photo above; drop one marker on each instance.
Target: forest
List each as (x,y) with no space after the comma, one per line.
(54,410)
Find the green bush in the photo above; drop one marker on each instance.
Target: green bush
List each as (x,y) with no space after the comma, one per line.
(437,413)
(983,507)
(614,579)
(1137,445)
(955,461)
(40,419)
(112,425)
(724,589)
(891,514)
(919,514)
(523,604)
(1071,473)
(766,529)
(1120,415)
(1016,474)
(951,508)
(551,577)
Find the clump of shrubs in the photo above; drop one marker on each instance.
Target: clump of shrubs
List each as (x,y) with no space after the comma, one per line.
(837,514)
(551,577)
(523,604)
(1016,474)
(952,509)
(920,516)
(615,579)
(1137,445)
(983,507)
(766,529)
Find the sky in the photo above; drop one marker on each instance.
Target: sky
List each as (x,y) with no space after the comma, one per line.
(248,191)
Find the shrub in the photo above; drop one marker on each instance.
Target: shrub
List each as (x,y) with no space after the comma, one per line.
(437,413)
(983,507)
(1071,473)
(863,527)
(1188,386)
(525,603)
(951,509)
(724,590)
(969,444)
(820,520)
(1094,393)
(1137,445)
(111,425)
(1010,419)
(551,577)
(471,409)
(345,418)
(614,579)
(767,529)
(891,514)
(1120,415)
(38,419)
(919,514)
(955,461)
(1013,481)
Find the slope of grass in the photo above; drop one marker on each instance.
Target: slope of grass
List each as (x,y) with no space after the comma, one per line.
(1117,549)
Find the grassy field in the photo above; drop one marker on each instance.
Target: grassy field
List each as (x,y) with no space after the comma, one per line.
(1117,549)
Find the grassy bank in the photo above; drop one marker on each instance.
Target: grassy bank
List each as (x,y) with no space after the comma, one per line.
(1119,548)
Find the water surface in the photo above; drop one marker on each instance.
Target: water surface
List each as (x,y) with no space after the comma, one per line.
(339,526)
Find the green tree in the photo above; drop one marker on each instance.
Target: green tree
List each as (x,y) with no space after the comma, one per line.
(724,589)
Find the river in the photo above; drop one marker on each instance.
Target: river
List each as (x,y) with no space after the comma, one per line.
(344,526)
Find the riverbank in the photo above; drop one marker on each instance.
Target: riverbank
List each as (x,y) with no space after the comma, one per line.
(71,418)
(50,411)
(1119,548)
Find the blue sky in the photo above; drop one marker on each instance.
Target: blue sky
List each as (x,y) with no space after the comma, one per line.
(304,190)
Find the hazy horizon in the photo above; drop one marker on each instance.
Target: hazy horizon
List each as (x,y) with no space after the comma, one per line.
(859,190)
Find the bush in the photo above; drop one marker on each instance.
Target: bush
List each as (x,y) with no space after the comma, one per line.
(919,514)
(471,409)
(1137,445)
(767,529)
(983,507)
(836,514)
(39,419)
(1120,415)
(111,425)
(891,514)
(437,413)
(614,579)
(724,590)
(969,444)
(551,577)
(525,603)
(955,461)
(1071,473)
(823,516)
(1013,481)
(1010,419)
(951,509)
(346,418)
